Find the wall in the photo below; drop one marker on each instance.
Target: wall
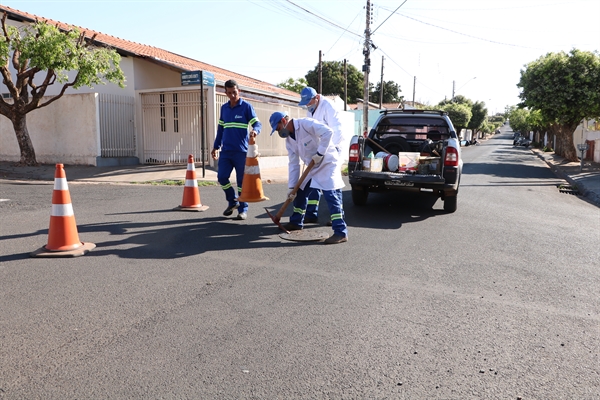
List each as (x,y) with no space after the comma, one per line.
(66,131)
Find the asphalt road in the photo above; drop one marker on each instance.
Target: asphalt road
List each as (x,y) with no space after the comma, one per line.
(498,300)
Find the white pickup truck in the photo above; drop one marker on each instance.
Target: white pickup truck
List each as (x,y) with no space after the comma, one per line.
(428,150)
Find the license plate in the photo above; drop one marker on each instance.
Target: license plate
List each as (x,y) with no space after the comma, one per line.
(399,183)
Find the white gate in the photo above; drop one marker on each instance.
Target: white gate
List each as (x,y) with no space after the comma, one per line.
(117,131)
(171,127)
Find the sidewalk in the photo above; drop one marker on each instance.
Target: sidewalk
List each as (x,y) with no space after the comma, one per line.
(130,174)
(587,182)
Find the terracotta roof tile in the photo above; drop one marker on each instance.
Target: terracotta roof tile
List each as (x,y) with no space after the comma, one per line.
(156,54)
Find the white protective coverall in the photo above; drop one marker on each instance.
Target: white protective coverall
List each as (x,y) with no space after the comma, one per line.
(312,137)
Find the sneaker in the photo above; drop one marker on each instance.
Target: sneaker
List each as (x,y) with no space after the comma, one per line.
(334,239)
(292,227)
(241,216)
(311,220)
(229,210)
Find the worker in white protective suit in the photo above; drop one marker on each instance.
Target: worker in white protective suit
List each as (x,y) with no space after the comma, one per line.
(323,110)
(309,140)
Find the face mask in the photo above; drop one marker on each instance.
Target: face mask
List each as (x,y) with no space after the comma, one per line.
(312,107)
(283,132)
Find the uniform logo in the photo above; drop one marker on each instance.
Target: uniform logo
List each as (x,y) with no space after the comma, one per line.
(238,117)
(307,143)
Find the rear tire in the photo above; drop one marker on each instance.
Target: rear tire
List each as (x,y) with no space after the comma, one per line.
(450,204)
(359,195)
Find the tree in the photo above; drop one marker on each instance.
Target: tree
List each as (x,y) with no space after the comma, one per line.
(295,85)
(391,93)
(460,115)
(479,116)
(333,80)
(458,99)
(565,88)
(518,119)
(40,48)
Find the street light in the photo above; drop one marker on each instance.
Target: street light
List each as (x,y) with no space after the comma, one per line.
(453,85)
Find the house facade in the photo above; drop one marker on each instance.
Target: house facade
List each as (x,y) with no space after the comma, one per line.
(153,120)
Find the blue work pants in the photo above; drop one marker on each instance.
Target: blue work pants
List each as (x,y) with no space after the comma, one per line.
(334,203)
(228,160)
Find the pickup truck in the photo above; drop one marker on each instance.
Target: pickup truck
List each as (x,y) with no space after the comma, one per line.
(428,150)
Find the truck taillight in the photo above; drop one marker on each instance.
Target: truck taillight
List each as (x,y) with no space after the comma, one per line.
(451,159)
(354,152)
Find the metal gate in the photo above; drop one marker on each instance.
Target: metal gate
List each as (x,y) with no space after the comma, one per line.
(171,127)
(117,131)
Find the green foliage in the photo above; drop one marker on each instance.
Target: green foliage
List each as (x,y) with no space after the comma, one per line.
(43,47)
(391,92)
(460,115)
(518,119)
(458,99)
(333,80)
(295,85)
(479,116)
(565,88)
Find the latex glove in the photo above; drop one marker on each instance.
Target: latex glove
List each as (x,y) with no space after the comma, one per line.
(290,195)
(317,158)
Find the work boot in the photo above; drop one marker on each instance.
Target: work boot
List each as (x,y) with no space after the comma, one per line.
(335,239)
(292,227)
(229,210)
(241,216)
(311,220)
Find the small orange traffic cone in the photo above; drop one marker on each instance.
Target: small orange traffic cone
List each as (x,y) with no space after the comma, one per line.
(191,193)
(63,239)
(252,190)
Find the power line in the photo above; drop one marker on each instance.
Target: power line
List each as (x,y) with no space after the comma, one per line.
(321,18)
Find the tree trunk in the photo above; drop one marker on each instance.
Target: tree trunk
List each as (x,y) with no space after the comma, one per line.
(564,142)
(27,152)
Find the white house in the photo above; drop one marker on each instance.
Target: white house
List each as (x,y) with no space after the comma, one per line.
(153,120)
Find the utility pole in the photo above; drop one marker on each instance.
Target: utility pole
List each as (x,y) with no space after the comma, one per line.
(320,73)
(414,89)
(366,69)
(345,85)
(453,85)
(381,85)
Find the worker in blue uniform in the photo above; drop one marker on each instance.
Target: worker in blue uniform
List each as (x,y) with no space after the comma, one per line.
(231,145)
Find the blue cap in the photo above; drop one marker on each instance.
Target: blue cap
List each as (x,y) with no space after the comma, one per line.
(307,94)
(275,118)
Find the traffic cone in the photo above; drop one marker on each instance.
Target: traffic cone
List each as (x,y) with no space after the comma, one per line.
(63,239)
(191,193)
(252,190)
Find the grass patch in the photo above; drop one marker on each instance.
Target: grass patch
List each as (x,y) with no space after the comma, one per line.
(169,182)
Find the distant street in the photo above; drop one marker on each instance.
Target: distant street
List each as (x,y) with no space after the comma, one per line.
(498,300)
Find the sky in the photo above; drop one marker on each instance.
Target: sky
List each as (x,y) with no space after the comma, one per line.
(476,47)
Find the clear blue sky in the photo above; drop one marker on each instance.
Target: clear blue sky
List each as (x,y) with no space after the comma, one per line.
(438,41)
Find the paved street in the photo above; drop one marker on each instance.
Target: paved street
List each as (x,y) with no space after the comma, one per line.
(496,301)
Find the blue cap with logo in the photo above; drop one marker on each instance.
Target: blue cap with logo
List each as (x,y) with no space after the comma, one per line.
(275,118)
(306,95)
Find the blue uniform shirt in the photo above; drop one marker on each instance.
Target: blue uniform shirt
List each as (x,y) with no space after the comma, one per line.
(232,133)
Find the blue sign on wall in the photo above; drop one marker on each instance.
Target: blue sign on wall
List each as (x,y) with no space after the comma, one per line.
(193,78)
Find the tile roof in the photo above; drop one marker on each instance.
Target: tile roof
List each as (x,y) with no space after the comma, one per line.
(157,55)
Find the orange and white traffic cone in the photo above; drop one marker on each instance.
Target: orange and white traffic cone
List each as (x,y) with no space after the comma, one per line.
(252,190)
(191,193)
(63,239)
